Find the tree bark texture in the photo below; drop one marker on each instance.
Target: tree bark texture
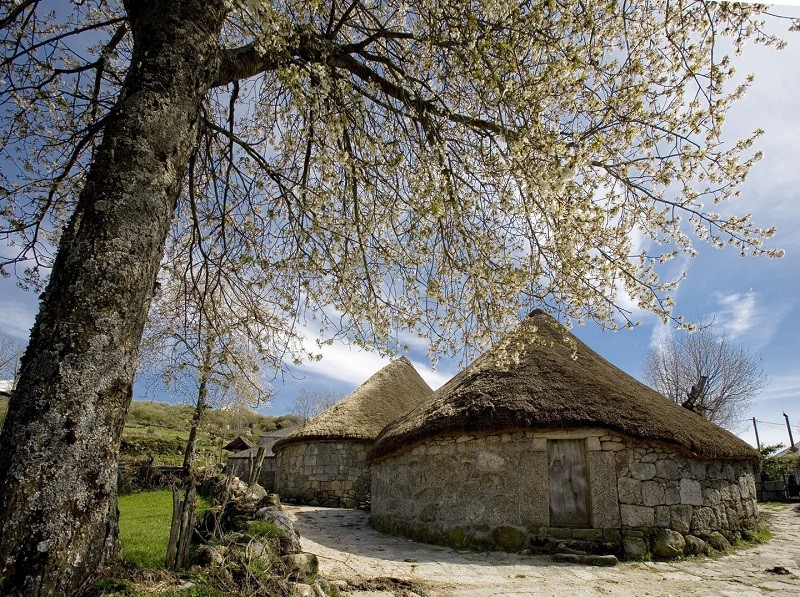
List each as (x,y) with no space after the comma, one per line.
(60,442)
(197,418)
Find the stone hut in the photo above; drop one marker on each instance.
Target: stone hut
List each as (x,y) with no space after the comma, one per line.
(324,462)
(542,441)
(240,462)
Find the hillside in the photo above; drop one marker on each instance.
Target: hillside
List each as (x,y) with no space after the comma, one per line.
(161,430)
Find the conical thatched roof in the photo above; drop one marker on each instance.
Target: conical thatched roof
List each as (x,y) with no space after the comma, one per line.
(548,389)
(390,393)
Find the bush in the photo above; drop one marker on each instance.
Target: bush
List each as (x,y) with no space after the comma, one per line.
(139,474)
(140,445)
(775,468)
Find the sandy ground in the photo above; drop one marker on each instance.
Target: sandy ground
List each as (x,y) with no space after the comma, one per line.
(378,565)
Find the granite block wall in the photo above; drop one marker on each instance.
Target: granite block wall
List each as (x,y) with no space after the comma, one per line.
(491,492)
(324,473)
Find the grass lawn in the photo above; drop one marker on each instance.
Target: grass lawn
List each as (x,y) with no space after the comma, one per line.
(144,520)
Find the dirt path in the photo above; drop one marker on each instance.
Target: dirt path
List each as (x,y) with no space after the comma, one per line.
(385,566)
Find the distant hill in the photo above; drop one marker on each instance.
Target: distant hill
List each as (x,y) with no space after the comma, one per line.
(161,430)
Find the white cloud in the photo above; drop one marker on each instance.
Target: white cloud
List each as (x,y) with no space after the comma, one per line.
(738,313)
(742,316)
(781,387)
(346,363)
(660,334)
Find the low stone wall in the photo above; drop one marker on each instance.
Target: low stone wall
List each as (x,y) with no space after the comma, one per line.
(240,467)
(491,492)
(324,473)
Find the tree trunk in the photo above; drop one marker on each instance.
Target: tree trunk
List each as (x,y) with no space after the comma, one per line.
(199,412)
(60,442)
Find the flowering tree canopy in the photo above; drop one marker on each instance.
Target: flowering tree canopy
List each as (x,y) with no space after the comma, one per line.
(389,167)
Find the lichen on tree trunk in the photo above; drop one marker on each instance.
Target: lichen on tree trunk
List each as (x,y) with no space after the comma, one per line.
(60,442)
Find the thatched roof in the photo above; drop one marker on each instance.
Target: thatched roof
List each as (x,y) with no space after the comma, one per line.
(390,393)
(548,389)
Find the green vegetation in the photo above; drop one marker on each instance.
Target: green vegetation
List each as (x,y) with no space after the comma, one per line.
(761,536)
(263,528)
(160,430)
(144,521)
(3,409)
(775,468)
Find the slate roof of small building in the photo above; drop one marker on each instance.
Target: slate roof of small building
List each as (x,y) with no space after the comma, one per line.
(268,441)
(555,381)
(237,444)
(388,394)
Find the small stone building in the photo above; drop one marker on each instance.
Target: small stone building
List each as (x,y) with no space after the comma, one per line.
(542,441)
(237,444)
(239,463)
(324,462)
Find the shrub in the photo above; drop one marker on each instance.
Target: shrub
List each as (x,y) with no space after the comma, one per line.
(139,474)
(139,445)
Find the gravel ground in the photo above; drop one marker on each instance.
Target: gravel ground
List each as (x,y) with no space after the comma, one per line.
(379,565)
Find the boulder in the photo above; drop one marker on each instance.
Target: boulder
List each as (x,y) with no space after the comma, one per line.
(210,555)
(271,500)
(284,524)
(694,545)
(635,548)
(238,487)
(251,497)
(302,566)
(718,541)
(256,550)
(668,544)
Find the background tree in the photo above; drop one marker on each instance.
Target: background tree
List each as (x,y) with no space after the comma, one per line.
(776,468)
(308,405)
(209,363)
(707,374)
(209,341)
(11,350)
(432,167)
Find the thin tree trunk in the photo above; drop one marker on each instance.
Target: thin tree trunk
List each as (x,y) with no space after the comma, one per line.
(60,442)
(199,412)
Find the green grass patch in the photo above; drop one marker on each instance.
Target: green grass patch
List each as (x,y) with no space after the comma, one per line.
(263,528)
(144,520)
(761,536)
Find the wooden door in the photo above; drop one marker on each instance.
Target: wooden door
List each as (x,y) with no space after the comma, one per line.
(568,479)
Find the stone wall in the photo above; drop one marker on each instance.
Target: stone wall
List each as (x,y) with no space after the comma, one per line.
(324,473)
(240,467)
(491,492)
(691,502)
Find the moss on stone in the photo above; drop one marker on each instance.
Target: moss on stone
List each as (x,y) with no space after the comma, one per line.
(509,538)
(457,539)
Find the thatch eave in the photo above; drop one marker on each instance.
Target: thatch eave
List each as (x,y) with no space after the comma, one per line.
(548,389)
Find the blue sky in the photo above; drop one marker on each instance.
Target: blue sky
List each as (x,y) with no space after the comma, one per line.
(755,300)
